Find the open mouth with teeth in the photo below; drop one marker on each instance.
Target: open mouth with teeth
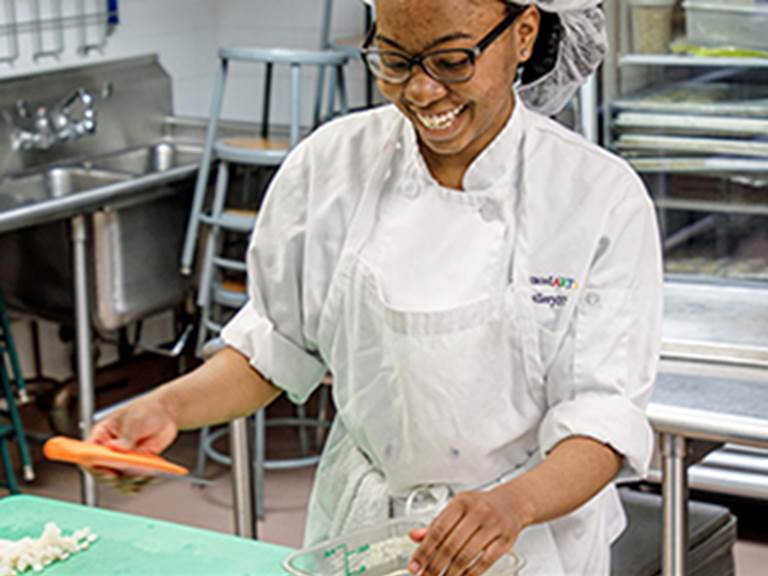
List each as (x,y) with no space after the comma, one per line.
(440,121)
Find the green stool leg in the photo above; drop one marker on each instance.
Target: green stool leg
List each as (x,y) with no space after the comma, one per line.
(18,427)
(7,335)
(5,456)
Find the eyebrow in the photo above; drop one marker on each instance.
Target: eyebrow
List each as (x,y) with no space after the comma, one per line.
(436,42)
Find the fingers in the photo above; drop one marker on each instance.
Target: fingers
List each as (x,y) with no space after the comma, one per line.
(437,533)
(418,534)
(101,433)
(467,538)
(486,558)
(143,425)
(471,552)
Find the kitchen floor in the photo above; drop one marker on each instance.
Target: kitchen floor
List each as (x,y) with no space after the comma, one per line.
(286,496)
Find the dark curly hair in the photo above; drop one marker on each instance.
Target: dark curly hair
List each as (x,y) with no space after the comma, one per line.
(544,55)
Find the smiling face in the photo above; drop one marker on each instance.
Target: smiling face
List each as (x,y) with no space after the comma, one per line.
(454,122)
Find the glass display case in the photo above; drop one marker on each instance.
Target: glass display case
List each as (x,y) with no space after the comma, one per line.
(685,93)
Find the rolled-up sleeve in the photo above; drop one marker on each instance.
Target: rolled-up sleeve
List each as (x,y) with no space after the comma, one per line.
(611,350)
(269,329)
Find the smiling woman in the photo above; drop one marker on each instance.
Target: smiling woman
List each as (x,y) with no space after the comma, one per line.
(459,96)
(483,284)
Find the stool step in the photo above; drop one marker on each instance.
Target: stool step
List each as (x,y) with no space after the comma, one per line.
(230,293)
(229,221)
(229,264)
(234,286)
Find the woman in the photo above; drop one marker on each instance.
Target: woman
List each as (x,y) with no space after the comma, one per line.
(483,284)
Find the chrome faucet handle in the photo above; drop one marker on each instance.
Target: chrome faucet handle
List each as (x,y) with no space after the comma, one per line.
(80,94)
(69,128)
(22,108)
(53,128)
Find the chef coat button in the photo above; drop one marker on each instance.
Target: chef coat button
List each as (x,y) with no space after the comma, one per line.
(411,190)
(388,451)
(490,211)
(454,452)
(592,298)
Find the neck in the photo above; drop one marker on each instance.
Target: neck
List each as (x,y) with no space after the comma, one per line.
(449,169)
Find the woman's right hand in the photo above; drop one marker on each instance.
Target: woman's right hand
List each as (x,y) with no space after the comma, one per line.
(146,424)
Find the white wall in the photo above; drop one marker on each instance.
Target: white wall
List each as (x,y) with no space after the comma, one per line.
(185,34)
(182,32)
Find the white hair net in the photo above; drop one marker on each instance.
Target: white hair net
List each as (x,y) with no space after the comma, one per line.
(579,50)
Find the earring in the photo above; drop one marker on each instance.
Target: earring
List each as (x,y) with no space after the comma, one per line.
(524,53)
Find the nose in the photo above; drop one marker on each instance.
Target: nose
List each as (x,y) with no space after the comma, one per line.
(422,90)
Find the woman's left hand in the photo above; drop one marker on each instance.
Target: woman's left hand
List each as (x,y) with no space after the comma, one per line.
(473,531)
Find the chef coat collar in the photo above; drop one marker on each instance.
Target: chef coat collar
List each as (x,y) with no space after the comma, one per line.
(490,167)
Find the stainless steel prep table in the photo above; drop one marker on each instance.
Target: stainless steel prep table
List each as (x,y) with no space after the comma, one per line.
(712,389)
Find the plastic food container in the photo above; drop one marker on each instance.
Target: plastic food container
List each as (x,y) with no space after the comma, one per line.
(384,550)
(738,23)
(651,25)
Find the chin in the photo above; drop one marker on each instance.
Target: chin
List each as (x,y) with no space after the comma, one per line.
(452,147)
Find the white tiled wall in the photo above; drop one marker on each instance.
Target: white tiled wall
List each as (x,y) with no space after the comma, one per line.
(185,34)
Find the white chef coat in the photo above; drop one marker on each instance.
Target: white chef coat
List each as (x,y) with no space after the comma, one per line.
(590,276)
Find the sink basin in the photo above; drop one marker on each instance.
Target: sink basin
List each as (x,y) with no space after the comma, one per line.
(53,183)
(133,244)
(156,158)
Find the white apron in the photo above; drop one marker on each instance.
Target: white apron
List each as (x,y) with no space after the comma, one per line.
(429,402)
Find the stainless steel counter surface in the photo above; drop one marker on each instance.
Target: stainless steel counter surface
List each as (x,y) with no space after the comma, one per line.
(706,407)
(716,323)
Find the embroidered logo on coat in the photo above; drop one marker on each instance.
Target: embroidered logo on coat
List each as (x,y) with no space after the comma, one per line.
(554,301)
(562,282)
(558,283)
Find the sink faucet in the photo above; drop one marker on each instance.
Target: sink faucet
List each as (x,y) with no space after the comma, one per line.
(51,128)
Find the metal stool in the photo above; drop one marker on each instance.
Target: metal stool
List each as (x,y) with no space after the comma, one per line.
(15,429)
(264,149)
(222,287)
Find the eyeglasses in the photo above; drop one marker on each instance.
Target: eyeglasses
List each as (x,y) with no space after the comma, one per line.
(450,65)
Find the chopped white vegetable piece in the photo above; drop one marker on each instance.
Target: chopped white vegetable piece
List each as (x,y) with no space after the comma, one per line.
(16,557)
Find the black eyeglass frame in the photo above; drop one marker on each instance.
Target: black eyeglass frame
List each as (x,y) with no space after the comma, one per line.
(418,60)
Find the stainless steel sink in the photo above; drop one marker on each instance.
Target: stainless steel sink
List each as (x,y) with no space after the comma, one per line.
(135,243)
(157,158)
(53,183)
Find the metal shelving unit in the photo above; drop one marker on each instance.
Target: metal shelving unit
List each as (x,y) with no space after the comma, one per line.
(691,61)
(696,129)
(688,122)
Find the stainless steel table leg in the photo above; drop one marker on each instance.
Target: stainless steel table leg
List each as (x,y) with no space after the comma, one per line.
(675,505)
(242,479)
(85,380)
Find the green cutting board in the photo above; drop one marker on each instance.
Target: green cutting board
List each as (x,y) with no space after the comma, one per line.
(130,545)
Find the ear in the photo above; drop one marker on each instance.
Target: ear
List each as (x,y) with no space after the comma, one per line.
(526,32)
